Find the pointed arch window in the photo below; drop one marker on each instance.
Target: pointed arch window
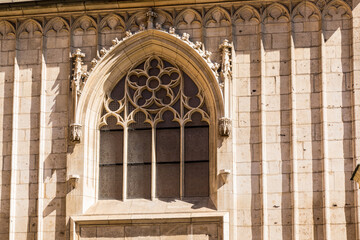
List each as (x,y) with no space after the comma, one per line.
(154,135)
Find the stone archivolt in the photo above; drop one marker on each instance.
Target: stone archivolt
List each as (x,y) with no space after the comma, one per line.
(80,76)
(198,46)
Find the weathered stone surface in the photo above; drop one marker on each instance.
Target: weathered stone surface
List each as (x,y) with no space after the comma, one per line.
(292,95)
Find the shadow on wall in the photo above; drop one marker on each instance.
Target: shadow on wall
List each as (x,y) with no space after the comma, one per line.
(56,40)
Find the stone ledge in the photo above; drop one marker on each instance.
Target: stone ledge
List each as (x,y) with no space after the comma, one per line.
(46,7)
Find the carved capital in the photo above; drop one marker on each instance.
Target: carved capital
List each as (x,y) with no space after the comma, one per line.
(224,126)
(75,132)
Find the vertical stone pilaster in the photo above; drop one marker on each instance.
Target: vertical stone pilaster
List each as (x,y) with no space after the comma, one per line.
(263,159)
(14,148)
(356,107)
(26,128)
(293,148)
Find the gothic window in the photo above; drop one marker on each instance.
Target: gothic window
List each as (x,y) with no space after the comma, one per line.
(154,135)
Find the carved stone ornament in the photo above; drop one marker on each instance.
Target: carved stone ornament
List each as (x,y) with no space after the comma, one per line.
(225,48)
(77,84)
(150,21)
(198,46)
(224,126)
(80,76)
(75,132)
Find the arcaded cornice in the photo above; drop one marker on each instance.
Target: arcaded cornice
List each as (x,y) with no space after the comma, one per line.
(44,8)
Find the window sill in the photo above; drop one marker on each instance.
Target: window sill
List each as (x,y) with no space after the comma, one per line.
(138,206)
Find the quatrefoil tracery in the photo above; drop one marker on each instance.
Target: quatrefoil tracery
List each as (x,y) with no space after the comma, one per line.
(154,88)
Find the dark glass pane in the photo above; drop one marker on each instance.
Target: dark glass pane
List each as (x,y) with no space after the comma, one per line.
(139,146)
(139,181)
(168,162)
(111,182)
(118,91)
(197,161)
(197,179)
(190,88)
(197,144)
(111,147)
(111,169)
(139,160)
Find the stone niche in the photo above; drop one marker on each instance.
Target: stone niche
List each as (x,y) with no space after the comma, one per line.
(177,227)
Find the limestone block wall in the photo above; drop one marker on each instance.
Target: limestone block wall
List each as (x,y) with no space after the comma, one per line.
(294,105)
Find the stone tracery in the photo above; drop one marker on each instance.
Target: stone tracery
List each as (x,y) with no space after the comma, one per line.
(157,88)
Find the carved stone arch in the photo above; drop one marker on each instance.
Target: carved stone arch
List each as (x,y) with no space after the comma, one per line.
(84,24)
(306,11)
(57,25)
(7,30)
(188,58)
(188,18)
(217,16)
(246,14)
(276,13)
(337,9)
(30,28)
(108,72)
(112,22)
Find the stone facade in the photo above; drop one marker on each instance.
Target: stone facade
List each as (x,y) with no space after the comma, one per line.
(281,86)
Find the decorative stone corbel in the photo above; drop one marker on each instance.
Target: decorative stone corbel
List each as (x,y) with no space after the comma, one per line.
(150,21)
(224,126)
(77,84)
(224,175)
(75,132)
